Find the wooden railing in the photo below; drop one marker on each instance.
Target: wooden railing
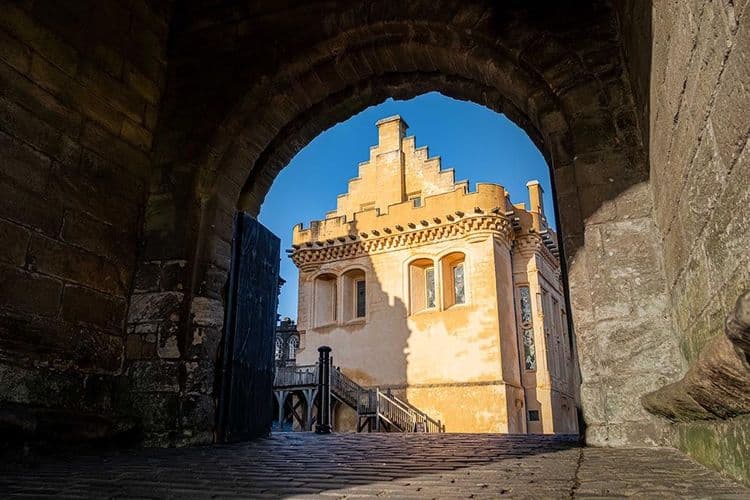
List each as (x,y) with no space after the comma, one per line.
(419,417)
(296,376)
(345,388)
(397,414)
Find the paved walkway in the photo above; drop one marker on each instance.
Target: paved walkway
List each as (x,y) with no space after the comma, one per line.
(365,465)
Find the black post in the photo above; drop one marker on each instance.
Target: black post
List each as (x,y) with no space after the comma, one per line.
(324,391)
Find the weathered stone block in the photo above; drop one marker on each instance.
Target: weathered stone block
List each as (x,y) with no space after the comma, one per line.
(154,307)
(70,263)
(24,27)
(199,377)
(14,52)
(24,165)
(675,251)
(198,412)
(147,277)
(728,232)
(168,347)
(158,412)
(136,135)
(25,126)
(15,242)
(116,150)
(74,95)
(733,98)
(98,237)
(153,376)
(173,276)
(207,312)
(89,306)
(690,293)
(204,343)
(44,105)
(29,293)
(704,186)
(720,445)
(635,347)
(117,94)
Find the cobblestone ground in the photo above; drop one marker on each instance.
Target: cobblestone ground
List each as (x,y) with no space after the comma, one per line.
(367,465)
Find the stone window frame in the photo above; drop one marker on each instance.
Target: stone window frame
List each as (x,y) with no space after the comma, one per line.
(416,273)
(316,320)
(351,317)
(448,261)
(292,345)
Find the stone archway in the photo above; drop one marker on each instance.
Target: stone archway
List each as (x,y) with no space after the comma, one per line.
(558,73)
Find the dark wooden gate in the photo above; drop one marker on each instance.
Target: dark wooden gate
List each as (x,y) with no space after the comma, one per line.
(246,367)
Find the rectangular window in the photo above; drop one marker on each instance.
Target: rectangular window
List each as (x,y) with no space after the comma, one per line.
(525,304)
(459,292)
(529,349)
(429,279)
(527,329)
(417,201)
(533,415)
(361,297)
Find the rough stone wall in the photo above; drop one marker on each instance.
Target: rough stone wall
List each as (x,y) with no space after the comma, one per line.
(80,84)
(700,171)
(238,110)
(83,86)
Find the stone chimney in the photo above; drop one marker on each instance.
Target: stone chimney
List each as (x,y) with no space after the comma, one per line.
(391,171)
(390,132)
(536,204)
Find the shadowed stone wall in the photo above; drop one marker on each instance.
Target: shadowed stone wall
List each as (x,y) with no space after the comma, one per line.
(700,171)
(80,84)
(558,72)
(640,116)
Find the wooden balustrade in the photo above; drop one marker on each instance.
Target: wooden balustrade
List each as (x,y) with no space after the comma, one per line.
(385,411)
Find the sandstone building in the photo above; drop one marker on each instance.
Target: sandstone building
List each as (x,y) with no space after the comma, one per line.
(450,299)
(134,133)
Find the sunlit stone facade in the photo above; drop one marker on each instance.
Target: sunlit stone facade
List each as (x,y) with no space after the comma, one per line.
(451,299)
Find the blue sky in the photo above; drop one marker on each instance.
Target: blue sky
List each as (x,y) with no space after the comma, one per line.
(483,146)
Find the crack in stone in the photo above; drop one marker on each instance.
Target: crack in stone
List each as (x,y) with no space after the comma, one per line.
(576,479)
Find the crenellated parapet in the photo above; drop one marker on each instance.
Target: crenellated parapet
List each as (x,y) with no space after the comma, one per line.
(480,223)
(434,210)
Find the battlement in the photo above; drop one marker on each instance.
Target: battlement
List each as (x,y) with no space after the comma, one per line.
(396,171)
(405,215)
(401,189)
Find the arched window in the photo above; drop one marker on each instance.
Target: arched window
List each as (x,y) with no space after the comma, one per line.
(293,345)
(454,281)
(354,287)
(324,300)
(422,285)
(279,348)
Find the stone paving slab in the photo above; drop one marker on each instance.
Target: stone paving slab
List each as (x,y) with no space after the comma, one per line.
(305,465)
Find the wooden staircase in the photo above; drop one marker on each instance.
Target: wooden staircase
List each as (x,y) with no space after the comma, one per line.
(377,411)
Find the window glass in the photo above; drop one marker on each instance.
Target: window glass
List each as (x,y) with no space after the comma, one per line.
(525,304)
(361,297)
(429,278)
(459,293)
(527,329)
(293,345)
(279,348)
(529,349)
(417,201)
